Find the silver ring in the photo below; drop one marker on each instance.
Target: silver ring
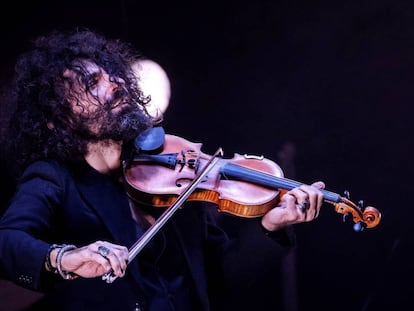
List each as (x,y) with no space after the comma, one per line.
(103,251)
(304,205)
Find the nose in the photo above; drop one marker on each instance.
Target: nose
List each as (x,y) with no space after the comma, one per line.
(116,83)
(113,87)
(115,91)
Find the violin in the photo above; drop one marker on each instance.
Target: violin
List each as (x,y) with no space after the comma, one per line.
(165,170)
(245,185)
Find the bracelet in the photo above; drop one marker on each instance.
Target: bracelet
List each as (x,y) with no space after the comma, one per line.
(48,263)
(65,275)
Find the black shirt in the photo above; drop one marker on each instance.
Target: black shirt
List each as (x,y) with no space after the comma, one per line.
(166,281)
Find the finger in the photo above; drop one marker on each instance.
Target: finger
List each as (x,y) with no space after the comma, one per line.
(304,196)
(319,184)
(315,200)
(115,255)
(104,262)
(122,253)
(316,197)
(301,195)
(320,200)
(299,200)
(303,206)
(103,251)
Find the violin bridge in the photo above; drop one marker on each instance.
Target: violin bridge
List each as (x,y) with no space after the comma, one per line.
(190,158)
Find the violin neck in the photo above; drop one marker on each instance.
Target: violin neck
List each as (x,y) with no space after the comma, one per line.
(230,170)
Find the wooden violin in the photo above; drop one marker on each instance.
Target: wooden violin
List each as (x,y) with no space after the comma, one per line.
(245,186)
(166,170)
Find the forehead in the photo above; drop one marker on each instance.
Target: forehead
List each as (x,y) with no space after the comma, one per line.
(82,68)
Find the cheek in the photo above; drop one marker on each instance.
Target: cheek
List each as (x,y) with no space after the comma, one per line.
(96,92)
(86,105)
(101,94)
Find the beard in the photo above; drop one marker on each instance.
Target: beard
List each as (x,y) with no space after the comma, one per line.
(106,124)
(125,125)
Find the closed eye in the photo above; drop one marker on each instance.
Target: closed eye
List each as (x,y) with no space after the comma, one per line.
(92,80)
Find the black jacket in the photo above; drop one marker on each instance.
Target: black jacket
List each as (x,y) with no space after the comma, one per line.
(53,204)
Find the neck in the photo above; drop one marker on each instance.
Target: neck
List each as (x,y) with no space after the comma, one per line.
(104,156)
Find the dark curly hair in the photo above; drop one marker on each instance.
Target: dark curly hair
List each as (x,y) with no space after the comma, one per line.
(37,94)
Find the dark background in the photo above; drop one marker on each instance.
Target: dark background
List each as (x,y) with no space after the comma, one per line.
(332,78)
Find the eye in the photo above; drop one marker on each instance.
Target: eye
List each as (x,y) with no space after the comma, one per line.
(92,81)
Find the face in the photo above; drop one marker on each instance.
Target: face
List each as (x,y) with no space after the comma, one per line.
(102,107)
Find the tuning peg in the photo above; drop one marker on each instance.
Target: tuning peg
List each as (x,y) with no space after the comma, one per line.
(347,194)
(358,227)
(346,217)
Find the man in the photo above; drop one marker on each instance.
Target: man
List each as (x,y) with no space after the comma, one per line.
(78,109)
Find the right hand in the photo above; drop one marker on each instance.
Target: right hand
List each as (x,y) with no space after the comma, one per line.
(87,262)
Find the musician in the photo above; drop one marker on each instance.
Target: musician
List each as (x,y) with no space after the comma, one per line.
(77,110)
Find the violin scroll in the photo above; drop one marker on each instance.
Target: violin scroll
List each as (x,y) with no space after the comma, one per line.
(363,217)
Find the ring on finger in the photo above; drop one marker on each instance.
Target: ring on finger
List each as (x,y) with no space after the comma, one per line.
(304,205)
(103,251)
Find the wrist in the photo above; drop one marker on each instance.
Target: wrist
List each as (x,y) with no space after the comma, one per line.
(53,262)
(59,256)
(283,235)
(266,227)
(50,261)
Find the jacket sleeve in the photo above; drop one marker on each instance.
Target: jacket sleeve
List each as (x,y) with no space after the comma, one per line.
(25,225)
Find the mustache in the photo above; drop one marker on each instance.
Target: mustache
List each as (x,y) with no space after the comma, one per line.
(129,123)
(119,97)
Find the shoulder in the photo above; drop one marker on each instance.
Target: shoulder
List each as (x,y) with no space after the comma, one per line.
(45,167)
(45,172)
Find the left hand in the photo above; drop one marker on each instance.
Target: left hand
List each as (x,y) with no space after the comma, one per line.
(301,204)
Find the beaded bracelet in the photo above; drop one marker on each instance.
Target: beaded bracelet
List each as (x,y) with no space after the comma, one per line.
(48,262)
(65,275)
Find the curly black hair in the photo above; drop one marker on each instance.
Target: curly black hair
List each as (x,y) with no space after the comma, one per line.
(37,94)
